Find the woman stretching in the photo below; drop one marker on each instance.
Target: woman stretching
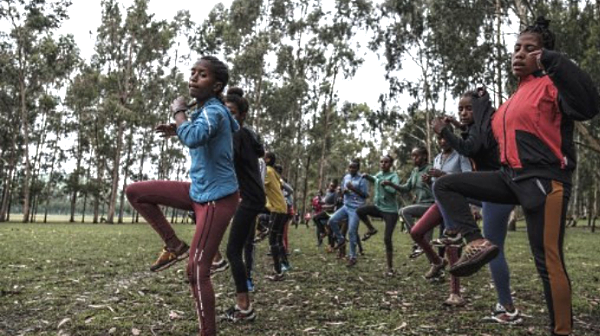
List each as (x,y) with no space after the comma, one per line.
(212,194)
(534,130)
(247,148)
(478,143)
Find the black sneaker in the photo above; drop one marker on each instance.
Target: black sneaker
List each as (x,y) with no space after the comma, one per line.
(219,267)
(368,235)
(235,314)
(416,253)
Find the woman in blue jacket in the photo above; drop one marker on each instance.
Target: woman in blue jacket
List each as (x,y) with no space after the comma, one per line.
(213,192)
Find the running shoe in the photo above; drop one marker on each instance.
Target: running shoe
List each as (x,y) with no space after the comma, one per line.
(436,270)
(351,262)
(250,284)
(500,315)
(285,266)
(168,257)
(455,300)
(276,276)
(415,253)
(368,235)
(339,244)
(475,255)
(261,235)
(449,240)
(219,266)
(236,314)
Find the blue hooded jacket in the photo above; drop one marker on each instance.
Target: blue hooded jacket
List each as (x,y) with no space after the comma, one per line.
(209,136)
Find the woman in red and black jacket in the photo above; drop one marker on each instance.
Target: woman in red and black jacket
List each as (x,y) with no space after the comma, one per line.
(534,131)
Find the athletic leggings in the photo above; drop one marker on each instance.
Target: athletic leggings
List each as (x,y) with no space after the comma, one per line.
(390,219)
(276,240)
(212,219)
(242,226)
(544,203)
(430,219)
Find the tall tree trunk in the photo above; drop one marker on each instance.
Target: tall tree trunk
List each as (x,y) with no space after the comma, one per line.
(77,172)
(25,134)
(305,192)
(327,110)
(122,199)
(115,174)
(498,53)
(49,185)
(7,192)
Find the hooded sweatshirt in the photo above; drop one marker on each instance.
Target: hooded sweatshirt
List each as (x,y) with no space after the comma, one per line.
(209,136)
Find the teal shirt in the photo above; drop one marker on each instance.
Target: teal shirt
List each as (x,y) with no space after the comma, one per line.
(385,196)
(420,189)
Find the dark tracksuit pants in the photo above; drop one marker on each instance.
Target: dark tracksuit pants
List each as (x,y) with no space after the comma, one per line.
(544,203)
(242,228)
(390,219)
(278,252)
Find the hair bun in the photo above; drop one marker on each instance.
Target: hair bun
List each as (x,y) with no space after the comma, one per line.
(235,91)
(542,22)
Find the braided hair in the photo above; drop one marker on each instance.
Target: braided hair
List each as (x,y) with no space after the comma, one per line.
(220,71)
(235,95)
(540,27)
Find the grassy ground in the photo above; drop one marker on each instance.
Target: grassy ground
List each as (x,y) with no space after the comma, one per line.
(73,279)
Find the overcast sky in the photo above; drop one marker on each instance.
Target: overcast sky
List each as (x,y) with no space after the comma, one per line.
(365,86)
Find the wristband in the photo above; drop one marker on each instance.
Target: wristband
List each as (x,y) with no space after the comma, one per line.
(177,112)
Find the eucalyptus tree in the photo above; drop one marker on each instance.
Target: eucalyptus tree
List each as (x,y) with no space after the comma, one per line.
(127,49)
(31,24)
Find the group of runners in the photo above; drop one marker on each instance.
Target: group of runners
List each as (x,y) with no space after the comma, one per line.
(520,154)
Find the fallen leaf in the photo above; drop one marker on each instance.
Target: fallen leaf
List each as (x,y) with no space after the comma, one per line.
(112,330)
(135,331)
(402,326)
(63,321)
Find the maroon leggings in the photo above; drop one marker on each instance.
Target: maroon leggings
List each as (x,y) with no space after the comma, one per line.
(426,223)
(212,219)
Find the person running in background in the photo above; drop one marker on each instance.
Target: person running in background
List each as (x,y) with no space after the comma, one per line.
(477,142)
(534,129)
(422,192)
(212,194)
(278,209)
(448,161)
(327,207)
(384,206)
(355,191)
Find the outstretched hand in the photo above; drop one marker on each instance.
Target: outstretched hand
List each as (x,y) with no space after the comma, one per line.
(166,130)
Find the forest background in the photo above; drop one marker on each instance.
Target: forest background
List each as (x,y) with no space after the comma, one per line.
(76,129)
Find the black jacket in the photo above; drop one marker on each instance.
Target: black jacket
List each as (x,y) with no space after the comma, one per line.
(247,148)
(478,142)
